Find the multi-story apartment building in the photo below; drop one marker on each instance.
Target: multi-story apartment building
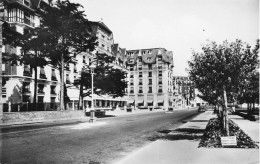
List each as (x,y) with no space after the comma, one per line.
(184,92)
(18,86)
(150,77)
(104,38)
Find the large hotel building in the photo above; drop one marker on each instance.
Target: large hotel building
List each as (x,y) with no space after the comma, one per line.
(150,77)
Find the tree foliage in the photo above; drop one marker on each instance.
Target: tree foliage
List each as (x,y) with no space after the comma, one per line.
(220,71)
(107,79)
(69,32)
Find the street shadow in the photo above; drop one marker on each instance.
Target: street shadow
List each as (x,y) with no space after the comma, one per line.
(178,134)
(199,120)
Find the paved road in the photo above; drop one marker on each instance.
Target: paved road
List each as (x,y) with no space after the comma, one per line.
(105,141)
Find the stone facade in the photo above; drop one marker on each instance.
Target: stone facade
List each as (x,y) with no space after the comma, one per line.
(150,77)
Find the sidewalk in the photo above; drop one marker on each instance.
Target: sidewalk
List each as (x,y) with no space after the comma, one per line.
(116,113)
(186,151)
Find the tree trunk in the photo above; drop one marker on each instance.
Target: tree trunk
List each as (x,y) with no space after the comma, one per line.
(225,113)
(81,96)
(61,83)
(35,88)
(35,85)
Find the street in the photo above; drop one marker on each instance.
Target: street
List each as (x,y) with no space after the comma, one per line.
(105,141)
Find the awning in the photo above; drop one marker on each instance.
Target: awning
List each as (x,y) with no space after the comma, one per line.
(97,97)
(87,98)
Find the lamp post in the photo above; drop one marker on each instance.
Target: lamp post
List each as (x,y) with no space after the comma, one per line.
(92,111)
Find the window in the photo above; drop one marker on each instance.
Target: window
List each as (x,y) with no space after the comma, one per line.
(150,90)
(132,90)
(159,58)
(40,88)
(160,80)
(53,75)
(140,59)
(150,82)
(140,67)
(131,68)
(150,66)
(140,82)
(159,65)
(140,90)
(67,79)
(160,89)
(140,74)
(84,59)
(26,87)
(3,92)
(53,88)
(160,73)
(131,76)
(131,82)
(75,68)
(149,74)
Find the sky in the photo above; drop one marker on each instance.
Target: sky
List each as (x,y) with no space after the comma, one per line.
(179,26)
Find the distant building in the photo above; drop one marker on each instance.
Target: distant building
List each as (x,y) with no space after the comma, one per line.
(184,92)
(150,77)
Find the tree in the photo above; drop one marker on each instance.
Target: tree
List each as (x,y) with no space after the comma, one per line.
(107,79)
(70,33)
(220,70)
(33,48)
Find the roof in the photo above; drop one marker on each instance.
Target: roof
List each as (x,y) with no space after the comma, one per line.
(103,26)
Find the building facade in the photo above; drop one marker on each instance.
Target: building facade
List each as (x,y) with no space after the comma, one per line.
(184,92)
(150,77)
(18,84)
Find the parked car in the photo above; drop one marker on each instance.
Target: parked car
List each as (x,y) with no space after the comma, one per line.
(201,109)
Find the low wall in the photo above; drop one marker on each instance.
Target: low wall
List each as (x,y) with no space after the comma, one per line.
(20,117)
